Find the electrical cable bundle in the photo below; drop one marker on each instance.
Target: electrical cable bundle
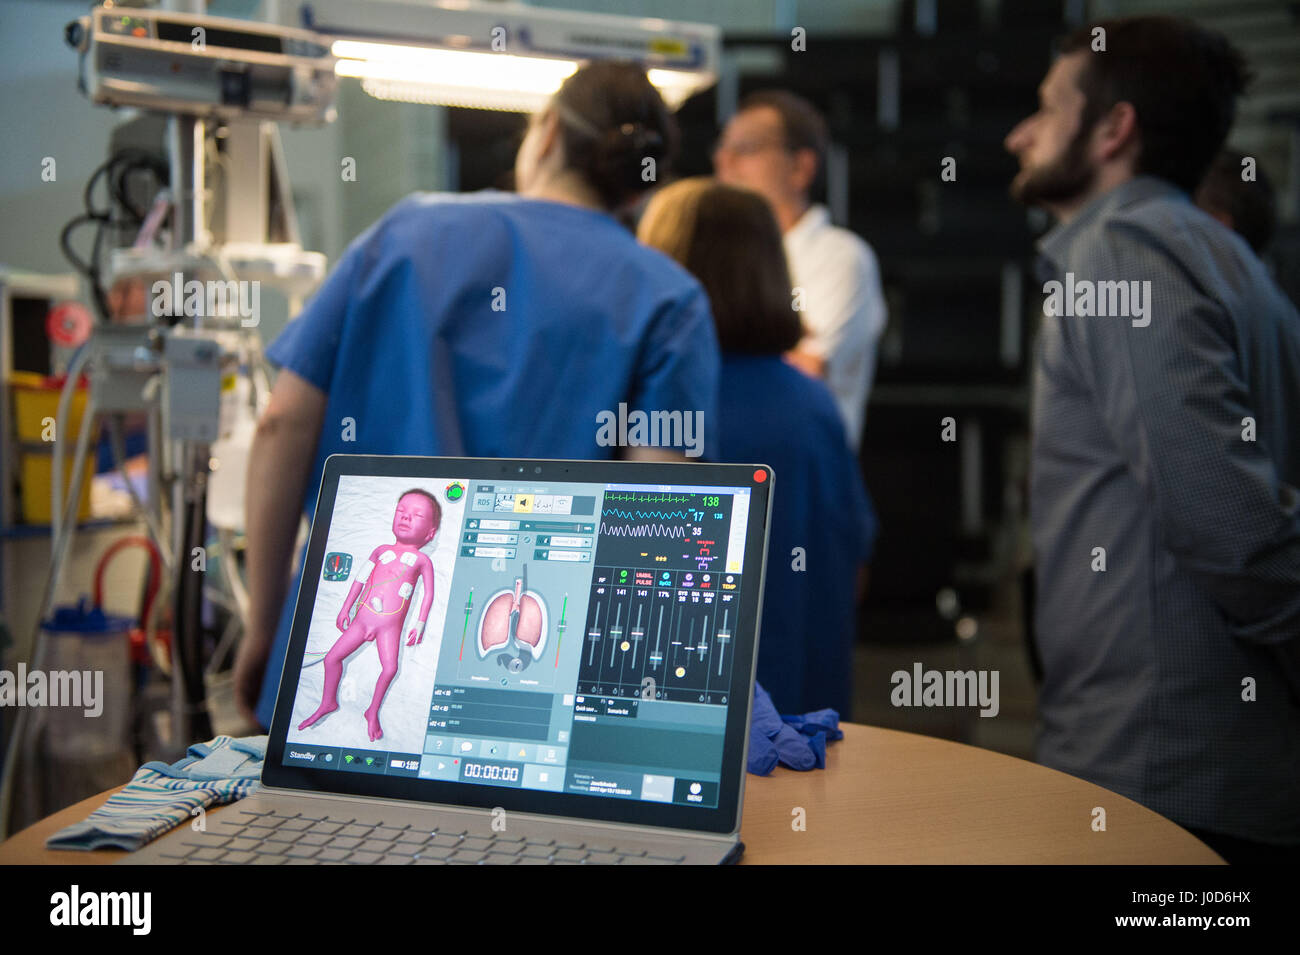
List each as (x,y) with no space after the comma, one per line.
(120,214)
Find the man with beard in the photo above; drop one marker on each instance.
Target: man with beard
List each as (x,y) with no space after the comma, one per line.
(1166,452)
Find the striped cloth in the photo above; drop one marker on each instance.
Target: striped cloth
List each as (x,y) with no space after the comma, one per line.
(161,796)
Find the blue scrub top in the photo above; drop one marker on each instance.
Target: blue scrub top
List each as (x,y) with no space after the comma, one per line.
(771,413)
(490,325)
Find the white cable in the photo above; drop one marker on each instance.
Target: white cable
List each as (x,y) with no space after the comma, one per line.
(79,361)
(58,554)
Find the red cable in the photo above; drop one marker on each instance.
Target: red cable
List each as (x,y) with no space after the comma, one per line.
(155,572)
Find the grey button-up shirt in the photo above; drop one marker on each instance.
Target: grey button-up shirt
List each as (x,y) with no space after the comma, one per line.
(1166,450)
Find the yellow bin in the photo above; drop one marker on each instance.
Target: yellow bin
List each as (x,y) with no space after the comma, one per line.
(36,398)
(37,468)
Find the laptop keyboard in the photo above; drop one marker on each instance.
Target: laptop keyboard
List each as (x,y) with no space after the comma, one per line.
(276,838)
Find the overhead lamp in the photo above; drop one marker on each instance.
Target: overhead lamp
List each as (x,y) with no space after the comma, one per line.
(502,55)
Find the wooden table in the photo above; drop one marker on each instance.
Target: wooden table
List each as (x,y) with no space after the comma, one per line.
(886,797)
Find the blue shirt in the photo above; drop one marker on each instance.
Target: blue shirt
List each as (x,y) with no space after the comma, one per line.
(774,414)
(490,325)
(1166,517)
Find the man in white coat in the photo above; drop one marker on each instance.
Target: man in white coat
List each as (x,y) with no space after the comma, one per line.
(776,145)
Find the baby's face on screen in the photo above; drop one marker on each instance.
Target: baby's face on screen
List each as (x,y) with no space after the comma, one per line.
(413,521)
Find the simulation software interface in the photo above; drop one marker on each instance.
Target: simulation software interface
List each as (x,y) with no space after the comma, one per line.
(579,638)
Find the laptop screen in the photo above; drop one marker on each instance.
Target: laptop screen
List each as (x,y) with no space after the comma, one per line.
(522,627)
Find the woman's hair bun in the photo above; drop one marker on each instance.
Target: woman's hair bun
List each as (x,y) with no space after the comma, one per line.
(613,119)
(634,141)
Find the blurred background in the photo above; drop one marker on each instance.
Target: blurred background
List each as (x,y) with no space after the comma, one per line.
(903,84)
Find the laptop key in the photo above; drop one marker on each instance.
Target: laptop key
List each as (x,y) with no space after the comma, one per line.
(536,852)
(434,852)
(361,857)
(238,858)
(601,858)
(384,834)
(296,825)
(570,855)
(268,860)
(475,842)
(206,855)
(180,852)
(301,852)
(313,839)
(278,836)
(640,860)
(344,842)
(443,839)
(394,858)
(208,841)
(663,858)
(271,849)
(506,837)
(468,855)
(416,837)
(244,844)
(333,855)
(376,845)
(532,860)
(569,844)
(327,828)
(265,822)
(354,830)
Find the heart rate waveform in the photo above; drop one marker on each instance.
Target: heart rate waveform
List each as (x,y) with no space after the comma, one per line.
(666,531)
(647,498)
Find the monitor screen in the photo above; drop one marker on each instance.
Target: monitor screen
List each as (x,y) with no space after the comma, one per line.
(560,636)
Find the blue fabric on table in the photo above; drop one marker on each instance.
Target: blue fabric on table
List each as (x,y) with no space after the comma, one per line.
(795,741)
(161,796)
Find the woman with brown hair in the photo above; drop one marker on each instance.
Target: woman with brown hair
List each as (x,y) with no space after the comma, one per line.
(823,525)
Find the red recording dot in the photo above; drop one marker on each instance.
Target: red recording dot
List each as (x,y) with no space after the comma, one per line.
(760,476)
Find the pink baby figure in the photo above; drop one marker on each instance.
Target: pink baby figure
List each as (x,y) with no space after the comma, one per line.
(388,579)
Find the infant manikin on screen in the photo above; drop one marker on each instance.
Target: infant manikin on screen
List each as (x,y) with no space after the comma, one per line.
(367,669)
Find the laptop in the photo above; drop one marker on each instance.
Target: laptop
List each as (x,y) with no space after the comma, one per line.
(511,662)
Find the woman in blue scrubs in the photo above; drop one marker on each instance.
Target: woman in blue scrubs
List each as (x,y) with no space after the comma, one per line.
(823,525)
(485,325)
